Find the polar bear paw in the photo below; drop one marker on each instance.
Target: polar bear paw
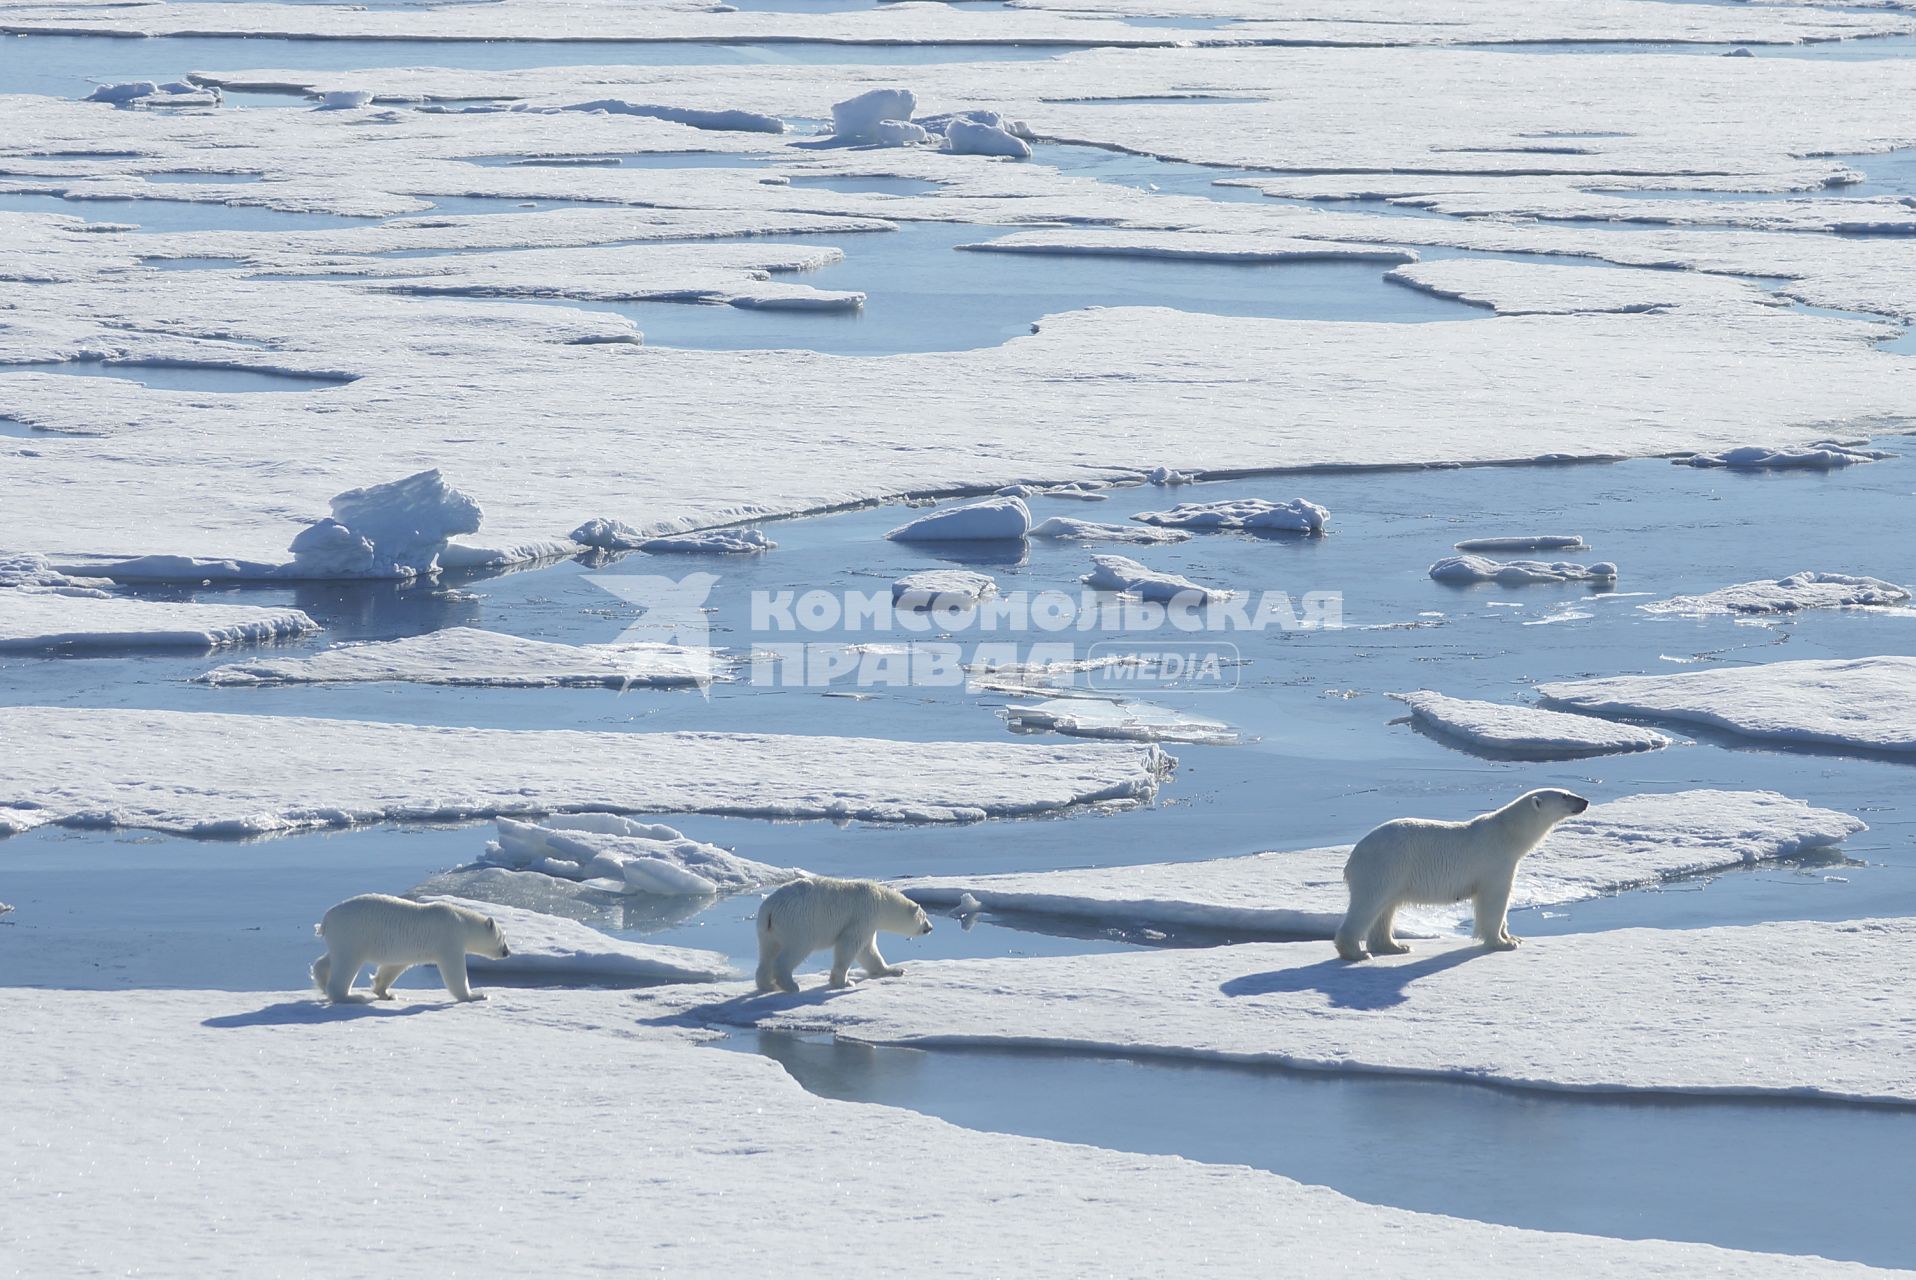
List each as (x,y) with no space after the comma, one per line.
(1390,948)
(1508,942)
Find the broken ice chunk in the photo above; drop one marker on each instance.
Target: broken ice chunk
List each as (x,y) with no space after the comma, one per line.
(1518,572)
(942,589)
(394,530)
(1120,573)
(1259,514)
(989,520)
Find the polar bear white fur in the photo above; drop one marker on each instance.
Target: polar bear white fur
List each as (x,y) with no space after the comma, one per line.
(818,912)
(1420,860)
(393,935)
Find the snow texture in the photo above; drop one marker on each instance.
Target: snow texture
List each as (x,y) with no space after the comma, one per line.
(61,619)
(210,774)
(1788,595)
(625,856)
(988,520)
(1254,514)
(1513,573)
(553,949)
(1065,529)
(1858,703)
(1123,721)
(467,656)
(1621,844)
(186,1133)
(1122,574)
(1804,1009)
(1526,731)
(942,589)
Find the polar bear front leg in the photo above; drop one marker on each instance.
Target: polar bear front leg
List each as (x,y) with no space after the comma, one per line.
(453,970)
(1492,905)
(384,977)
(1380,942)
(874,964)
(845,949)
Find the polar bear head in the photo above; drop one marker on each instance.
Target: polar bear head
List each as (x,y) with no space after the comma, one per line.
(903,916)
(1554,805)
(483,937)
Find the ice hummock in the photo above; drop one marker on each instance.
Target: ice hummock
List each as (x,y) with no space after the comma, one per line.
(395,530)
(25,571)
(1123,574)
(1866,703)
(623,855)
(550,949)
(866,117)
(1511,573)
(942,588)
(1526,731)
(469,656)
(974,135)
(1788,595)
(1824,455)
(992,519)
(1066,529)
(1251,514)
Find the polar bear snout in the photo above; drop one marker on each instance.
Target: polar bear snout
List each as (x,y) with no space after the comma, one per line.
(1581,804)
(921,924)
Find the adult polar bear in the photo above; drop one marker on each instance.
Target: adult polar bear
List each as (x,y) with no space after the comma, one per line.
(817,912)
(395,934)
(1421,860)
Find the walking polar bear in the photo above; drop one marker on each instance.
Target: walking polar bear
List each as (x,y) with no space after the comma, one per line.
(1420,860)
(818,912)
(394,934)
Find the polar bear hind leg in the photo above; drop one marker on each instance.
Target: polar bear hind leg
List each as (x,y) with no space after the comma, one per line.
(782,976)
(1380,942)
(874,964)
(1492,906)
(384,977)
(339,973)
(453,969)
(1369,905)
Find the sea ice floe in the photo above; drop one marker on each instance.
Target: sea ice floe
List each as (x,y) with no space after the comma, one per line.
(552,949)
(52,619)
(1511,573)
(1253,514)
(1123,720)
(468,656)
(211,774)
(189,1108)
(1527,731)
(988,520)
(1123,574)
(622,855)
(1620,844)
(146,93)
(1065,529)
(711,542)
(1862,703)
(1746,1011)
(942,589)
(1788,595)
(1526,542)
(1824,455)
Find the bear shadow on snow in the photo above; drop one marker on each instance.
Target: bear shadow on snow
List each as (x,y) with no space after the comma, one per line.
(291,1013)
(745,1010)
(1351,986)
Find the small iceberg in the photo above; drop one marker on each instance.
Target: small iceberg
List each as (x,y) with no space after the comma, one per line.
(1120,573)
(1511,573)
(991,520)
(1250,514)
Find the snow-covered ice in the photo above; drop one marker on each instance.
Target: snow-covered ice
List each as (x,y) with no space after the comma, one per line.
(622,855)
(1788,595)
(1804,1009)
(1124,720)
(187,1130)
(395,530)
(211,774)
(548,948)
(987,520)
(1511,573)
(711,542)
(1824,455)
(860,118)
(1066,529)
(971,137)
(1123,574)
(942,588)
(468,656)
(1620,844)
(24,571)
(1527,731)
(1256,514)
(1866,703)
(1526,542)
(58,619)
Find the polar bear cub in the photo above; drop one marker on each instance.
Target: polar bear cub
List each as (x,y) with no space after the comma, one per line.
(395,934)
(1420,860)
(818,912)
